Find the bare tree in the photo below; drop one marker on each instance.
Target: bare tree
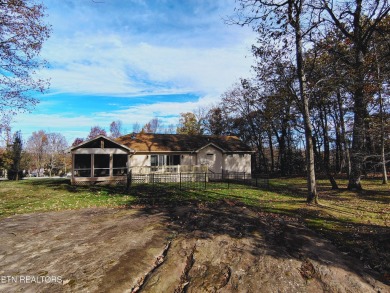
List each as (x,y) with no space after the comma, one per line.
(171,129)
(153,126)
(136,127)
(116,129)
(201,115)
(287,22)
(156,125)
(23,33)
(56,145)
(37,147)
(357,21)
(96,131)
(77,141)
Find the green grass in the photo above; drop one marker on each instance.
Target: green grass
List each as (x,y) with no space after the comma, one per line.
(286,196)
(369,207)
(41,195)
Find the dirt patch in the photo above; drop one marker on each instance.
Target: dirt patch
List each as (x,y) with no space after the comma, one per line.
(221,247)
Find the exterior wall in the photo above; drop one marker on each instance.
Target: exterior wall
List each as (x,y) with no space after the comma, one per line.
(141,164)
(139,160)
(238,163)
(212,157)
(188,159)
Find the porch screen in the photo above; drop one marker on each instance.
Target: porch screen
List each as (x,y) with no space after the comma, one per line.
(82,165)
(120,165)
(101,166)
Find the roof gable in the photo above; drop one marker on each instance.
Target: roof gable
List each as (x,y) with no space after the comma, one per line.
(212,145)
(100,141)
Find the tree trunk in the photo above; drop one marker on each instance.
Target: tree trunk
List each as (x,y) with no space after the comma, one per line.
(283,151)
(311,176)
(312,196)
(357,145)
(338,147)
(383,156)
(357,151)
(327,151)
(271,148)
(347,157)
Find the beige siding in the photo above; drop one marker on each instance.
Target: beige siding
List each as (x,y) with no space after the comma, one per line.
(139,160)
(188,160)
(238,163)
(212,157)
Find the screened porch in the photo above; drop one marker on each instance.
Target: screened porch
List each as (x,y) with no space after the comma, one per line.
(99,165)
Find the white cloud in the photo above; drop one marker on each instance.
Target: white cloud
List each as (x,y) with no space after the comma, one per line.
(110,65)
(137,48)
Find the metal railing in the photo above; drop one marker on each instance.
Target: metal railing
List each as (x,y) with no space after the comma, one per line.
(169,169)
(200,180)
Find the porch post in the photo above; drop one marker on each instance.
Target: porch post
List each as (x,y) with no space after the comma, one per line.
(72,169)
(128,164)
(92,165)
(111,165)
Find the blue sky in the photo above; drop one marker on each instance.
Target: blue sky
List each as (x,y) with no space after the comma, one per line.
(133,60)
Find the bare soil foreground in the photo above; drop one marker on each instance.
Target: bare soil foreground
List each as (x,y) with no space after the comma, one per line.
(214,247)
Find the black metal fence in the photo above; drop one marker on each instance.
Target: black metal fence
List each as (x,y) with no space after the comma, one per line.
(231,180)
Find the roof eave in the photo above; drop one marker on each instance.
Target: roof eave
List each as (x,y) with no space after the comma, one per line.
(95,138)
(210,144)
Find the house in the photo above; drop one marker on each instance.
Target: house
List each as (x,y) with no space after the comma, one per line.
(105,159)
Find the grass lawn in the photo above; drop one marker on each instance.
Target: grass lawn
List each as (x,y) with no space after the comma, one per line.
(41,195)
(359,223)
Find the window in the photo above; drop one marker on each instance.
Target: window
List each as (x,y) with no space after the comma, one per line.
(82,165)
(119,165)
(163,160)
(173,160)
(101,166)
(157,160)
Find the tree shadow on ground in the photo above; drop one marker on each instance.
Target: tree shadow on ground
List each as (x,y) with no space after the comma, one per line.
(206,214)
(194,212)
(369,243)
(65,184)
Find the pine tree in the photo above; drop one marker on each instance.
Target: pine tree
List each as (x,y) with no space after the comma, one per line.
(15,153)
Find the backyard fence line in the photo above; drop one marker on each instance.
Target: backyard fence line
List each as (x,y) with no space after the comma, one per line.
(200,180)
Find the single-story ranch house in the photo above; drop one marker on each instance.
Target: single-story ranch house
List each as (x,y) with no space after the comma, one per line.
(104,159)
